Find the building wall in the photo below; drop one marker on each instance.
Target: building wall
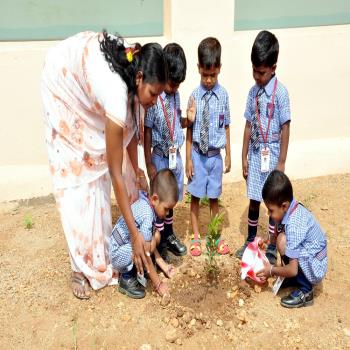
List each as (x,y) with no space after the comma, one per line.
(313,65)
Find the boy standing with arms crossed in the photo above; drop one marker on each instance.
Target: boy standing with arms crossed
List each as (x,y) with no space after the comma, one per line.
(210,132)
(164,138)
(266,133)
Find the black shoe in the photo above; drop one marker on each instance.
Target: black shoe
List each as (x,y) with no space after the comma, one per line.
(163,252)
(240,251)
(131,287)
(176,246)
(271,254)
(298,299)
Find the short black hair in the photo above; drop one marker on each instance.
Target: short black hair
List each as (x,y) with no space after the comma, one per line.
(176,61)
(164,185)
(277,188)
(265,49)
(209,53)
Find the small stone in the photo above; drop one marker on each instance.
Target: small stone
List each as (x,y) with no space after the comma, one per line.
(234,288)
(183,270)
(266,324)
(171,336)
(198,276)
(191,272)
(145,347)
(219,323)
(240,302)
(165,300)
(193,322)
(187,317)
(346,332)
(257,289)
(208,325)
(242,316)
(166,320)
(179,312)
(120,305)
(228,295)
(174,322)
(178,341)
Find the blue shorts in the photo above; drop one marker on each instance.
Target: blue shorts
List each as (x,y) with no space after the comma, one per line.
(207,179)
(163,163)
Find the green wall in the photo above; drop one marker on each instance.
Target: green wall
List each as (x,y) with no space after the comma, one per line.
(57,19)
(265,14)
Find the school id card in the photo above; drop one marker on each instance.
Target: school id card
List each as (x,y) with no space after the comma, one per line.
(265,159)
(172,157)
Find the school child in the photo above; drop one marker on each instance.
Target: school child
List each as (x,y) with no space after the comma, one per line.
(266,133)
(163,197)
(164,138)
(209,133)
(301,242)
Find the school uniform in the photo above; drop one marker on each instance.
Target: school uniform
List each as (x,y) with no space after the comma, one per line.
(208,166)
(306,242)
(120,248)
(280,114)
(159,121)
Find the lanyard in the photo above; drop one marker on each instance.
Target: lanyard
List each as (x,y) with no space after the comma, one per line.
(293,209)
(270,116)
(171,129)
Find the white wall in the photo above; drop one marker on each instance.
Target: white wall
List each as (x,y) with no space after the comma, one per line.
(313,64)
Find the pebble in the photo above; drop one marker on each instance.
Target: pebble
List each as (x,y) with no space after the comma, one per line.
(171,336)
(187,317)
(193,322)
(257,289)
(208,325)
(346,332)
(165,300)
(191,272)
(145,347)
(219,323)
(179,312)
(174,322)
(240,302)
(242,316)
(178,341)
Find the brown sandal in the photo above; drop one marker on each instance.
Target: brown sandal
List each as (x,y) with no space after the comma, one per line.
(83,283)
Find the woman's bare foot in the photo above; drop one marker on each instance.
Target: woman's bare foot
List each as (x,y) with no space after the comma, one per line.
(80,286)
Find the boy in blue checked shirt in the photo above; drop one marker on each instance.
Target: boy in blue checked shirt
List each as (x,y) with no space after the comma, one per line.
(146,210)
(300,242)
(209,133)
(266,133)
(164,138)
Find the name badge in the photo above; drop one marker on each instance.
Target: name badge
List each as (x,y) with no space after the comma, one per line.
(172,157)
(265,159)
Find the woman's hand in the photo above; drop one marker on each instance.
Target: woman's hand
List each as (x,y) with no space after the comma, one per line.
(151,171)
(141,181)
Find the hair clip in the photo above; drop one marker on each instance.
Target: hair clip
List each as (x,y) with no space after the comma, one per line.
(129,54)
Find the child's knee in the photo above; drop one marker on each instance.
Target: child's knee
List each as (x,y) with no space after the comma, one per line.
(254,205)
(281,243)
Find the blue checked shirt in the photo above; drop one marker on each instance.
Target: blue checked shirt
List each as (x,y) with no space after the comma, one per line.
(154,120)
(144,216)
(306,242)
(219,115)
(281,112)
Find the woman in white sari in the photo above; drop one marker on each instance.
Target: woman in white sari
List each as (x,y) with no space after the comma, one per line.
(95,89)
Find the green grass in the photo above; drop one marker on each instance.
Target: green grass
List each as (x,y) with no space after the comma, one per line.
(28,222)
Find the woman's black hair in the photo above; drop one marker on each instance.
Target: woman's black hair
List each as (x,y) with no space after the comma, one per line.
(277,188)
(148,59)
(265,49)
